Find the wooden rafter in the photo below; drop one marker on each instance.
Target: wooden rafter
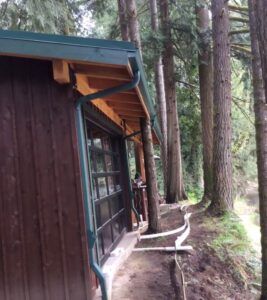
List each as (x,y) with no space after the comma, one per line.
(124,98)
(83,88)
(100,84)
(133,106)
(119,74)
(139,114)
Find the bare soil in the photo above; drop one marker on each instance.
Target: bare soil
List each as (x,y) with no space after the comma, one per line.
(151,275)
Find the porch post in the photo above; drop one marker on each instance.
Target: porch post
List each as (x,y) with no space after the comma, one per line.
(139,160)
(151,177)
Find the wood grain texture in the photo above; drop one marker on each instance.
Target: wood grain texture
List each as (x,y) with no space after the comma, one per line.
(43,252)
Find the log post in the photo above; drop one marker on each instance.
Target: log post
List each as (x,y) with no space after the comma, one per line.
(139,160)
(151,178)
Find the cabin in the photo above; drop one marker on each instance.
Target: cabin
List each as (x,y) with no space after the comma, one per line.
(67,107)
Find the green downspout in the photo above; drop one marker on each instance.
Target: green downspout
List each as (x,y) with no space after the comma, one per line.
(85,163)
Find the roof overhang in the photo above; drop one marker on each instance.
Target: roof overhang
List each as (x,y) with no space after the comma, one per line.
(97,65)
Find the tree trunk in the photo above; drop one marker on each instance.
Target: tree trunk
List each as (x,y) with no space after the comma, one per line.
(261,139)
(133,24)
(160,90)
(123,20)
(151,177)
(222,158)
(174,184)
(150,168)
(206,97)
(261,23)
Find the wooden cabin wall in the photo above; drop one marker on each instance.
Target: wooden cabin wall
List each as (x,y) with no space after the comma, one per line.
(42,232)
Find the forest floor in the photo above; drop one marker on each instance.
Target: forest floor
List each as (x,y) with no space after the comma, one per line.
(247,208)
(214,270)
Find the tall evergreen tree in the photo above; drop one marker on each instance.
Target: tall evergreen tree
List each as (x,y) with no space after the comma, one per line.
(133,24)
(160,90)
(261,17)
(222,158)
(174,184)
(40,16)
(206,95)
(261,138)
(154,224)
(123,20)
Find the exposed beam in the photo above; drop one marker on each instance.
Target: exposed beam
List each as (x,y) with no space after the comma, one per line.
(127,113)
(83,88)
(124,98)
(100,84)
(82,85)
(123,105)
(102,72)
(61,72)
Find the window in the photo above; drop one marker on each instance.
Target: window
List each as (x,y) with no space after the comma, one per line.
(106,188)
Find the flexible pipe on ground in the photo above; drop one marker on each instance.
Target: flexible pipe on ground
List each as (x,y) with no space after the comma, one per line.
(162,234)
(180,239)
(167,249)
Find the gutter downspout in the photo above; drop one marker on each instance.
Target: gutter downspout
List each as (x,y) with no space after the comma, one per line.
(85,164)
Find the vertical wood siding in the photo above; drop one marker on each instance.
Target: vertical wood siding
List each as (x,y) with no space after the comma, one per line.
(42,234)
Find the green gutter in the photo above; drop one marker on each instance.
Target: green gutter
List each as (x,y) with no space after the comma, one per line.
(85,164)
(49,46)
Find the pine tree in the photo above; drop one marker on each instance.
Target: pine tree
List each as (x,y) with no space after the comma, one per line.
(206,96)
(154,224)
(160,90)
(222,158)
(174,183)
(261,138)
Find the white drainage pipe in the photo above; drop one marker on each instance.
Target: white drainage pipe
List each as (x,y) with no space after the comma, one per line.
(167,249)
(162,234)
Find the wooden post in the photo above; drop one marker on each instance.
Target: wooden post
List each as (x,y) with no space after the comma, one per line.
(139,160)
(151,178)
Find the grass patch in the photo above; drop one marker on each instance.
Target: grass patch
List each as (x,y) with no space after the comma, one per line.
(231,244)
(232,235)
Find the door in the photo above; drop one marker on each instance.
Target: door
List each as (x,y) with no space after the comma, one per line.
(106,189)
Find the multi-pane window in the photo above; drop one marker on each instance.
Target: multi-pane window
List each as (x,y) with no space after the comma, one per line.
(106,188)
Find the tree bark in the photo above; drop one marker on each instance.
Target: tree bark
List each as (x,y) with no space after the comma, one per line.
(160,90)
(261,139)
(222,158)
(150,168)
(133,24)
(151,177)
(123,20)
(261,13)
(206,97)
(174,184)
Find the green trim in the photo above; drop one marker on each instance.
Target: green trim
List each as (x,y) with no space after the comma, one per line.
(85,166)
(66,40)
(20,43)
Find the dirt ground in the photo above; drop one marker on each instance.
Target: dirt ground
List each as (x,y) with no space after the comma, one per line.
(151,275)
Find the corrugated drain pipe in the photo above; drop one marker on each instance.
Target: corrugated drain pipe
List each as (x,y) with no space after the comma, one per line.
(85,164)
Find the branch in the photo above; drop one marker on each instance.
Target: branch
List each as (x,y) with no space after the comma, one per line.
(241,44)
(187,83)
(242,110)
(239,19)
(241,49)
(238,8)
(245,30)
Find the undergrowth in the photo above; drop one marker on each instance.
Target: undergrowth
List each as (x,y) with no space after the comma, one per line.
(232,244)
(194,195)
